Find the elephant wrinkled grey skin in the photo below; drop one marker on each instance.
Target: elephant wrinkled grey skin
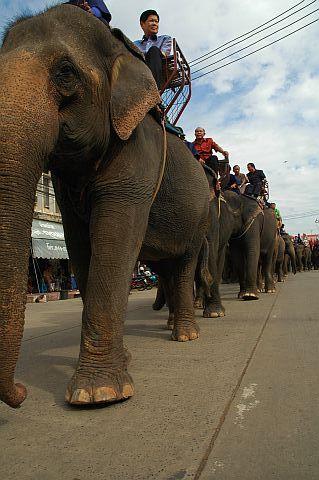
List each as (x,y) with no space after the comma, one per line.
(303,257)
(74,99)
(280,259)
(307,263)
(289,254)
(250,233)
(268,245)
(315,256)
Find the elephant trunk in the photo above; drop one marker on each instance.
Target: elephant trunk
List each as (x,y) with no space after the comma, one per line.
(26,138)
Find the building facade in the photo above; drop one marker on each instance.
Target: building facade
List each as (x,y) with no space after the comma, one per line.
(46,207)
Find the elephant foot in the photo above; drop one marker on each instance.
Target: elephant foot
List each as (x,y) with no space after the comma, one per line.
(270,290)
(96,387)
(250,296)
(158,305)
(214,312)
(198,304)
(185,332)
(170,321)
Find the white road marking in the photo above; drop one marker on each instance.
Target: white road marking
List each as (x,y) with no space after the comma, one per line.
(249,402)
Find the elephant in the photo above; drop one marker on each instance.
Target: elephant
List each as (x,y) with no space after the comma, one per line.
(306,258)
(250,232)
(280,257)
(315,256)
(75,99)
(303,257)
(289,254)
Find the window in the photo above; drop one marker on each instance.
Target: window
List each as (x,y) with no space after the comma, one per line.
(46,191)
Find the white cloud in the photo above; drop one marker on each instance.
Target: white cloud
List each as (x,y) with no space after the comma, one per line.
(262,109)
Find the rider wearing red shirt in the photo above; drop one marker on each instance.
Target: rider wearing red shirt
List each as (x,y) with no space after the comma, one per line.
(205,147)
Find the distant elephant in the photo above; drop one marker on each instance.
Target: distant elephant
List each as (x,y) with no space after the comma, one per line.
(300,256)
(306,258)
(250,232)
(280,257)
(289,254)
(315,257)
(74,99)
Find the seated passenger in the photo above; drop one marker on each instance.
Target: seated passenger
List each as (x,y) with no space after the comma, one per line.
(305,240)
(277,214)
(96,7)
(276,210)
(154,47)
(233,183)
(241,178)
(256,178)
(204,148)
(297,240)
(282,229)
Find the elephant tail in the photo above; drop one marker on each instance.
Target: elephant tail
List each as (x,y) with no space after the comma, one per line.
(205,276)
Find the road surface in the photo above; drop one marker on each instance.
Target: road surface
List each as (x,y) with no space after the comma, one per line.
(239,403)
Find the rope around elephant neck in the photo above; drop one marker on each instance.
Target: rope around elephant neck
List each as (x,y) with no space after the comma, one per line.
(220,199)
(160,178)
(248,227)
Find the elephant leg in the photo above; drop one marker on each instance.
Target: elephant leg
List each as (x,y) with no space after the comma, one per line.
(285,265)
(185,326)
(279,272)
(116,233)
(213,304)
(267,268)
(168,287)
(199,289)
(160,297)
(260,277)
(77,237)
(252,251)
(238,260)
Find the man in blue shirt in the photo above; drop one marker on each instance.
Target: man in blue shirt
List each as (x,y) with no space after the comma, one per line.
(154,47)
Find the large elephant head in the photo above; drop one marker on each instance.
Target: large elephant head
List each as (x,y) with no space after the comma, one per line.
(69,88)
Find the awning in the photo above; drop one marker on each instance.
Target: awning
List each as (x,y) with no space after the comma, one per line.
(48,240)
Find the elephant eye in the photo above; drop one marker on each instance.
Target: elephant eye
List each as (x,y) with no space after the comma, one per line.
(66,72)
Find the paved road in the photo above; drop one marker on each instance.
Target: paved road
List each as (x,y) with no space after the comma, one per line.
(240,403)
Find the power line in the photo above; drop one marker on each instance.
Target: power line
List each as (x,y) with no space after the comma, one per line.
(247,33)
(254,43)
(255,51)
(297,217)
(219,50)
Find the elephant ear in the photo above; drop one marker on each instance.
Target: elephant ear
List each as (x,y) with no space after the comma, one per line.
(133,94)
(131,47)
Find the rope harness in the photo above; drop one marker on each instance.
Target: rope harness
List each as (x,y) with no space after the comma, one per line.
(248,224)
(160,177)
(248,227)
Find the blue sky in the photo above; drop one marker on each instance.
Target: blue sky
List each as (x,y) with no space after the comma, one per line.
(263,109)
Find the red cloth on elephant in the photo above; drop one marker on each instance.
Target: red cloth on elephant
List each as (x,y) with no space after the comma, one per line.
(205,147)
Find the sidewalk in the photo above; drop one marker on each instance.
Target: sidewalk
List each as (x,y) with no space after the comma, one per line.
(197,412)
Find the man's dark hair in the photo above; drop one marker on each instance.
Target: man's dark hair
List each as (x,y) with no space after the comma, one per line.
(252,165)
(147,14)
(236,166)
